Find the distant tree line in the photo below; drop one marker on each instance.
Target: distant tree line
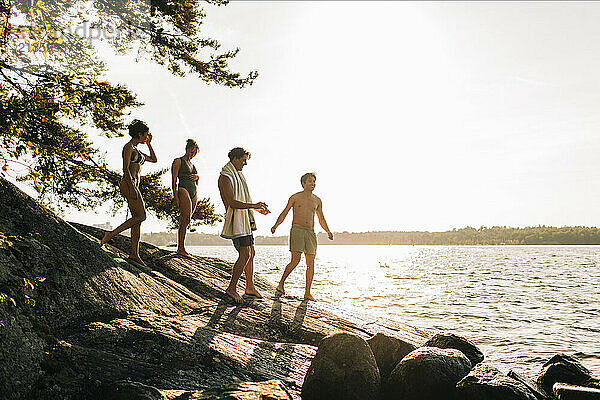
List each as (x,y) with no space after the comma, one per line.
(496,235)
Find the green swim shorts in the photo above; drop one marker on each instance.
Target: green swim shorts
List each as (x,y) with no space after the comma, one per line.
(303,240)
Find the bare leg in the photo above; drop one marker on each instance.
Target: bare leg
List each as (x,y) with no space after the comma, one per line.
(288,270)
(135,244)
(310,273)
(138,215)
(238,267)
(185,205)
(249,273)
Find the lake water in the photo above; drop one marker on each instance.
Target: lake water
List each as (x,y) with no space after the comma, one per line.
(519,304)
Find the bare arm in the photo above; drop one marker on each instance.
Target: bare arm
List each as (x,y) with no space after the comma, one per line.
(152,157)
(322,221)
(174,172)
(226,190)
(283,214)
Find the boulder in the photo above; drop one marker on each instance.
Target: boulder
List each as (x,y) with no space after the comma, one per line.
(485,382)
(565,369)
(564,391)
(388,352)
(538,391)
(344,368)
(451,341)
(427,373)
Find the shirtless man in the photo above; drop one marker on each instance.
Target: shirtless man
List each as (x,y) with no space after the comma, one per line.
(302,234)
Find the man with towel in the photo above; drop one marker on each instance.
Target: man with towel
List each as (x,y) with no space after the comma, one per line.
(239,220)
(302,234)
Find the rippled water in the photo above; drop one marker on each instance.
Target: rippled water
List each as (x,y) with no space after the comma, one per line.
(519,304)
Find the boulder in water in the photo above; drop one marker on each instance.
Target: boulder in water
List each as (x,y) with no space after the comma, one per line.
(451,341)
(427,373)
(565,369)
(388,352)
(485,382)
(344,368)
(564,391)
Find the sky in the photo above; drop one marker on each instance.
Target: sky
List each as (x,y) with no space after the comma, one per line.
(414,115)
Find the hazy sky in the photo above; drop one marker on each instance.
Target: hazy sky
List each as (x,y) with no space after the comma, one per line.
(415,116)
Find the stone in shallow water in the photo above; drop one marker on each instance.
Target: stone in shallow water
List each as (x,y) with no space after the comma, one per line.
(485,382)
(344,368)
(428,373)
(388,352)
(447,340)
(564,391)
(565,369)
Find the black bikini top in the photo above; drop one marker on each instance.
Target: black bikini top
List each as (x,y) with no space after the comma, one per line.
(137,157)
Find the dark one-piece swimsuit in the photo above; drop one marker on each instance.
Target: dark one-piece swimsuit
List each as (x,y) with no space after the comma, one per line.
(185,181)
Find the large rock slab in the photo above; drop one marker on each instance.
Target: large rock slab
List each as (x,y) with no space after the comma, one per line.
(564,391)
(485,382)
(75,317)
(388,352)
(267,390)
(128,390)
(448,340)
(427,373)
(566,369)
(344,368)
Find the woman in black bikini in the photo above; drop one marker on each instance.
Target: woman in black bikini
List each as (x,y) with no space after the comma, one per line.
(132,162)
(184,195)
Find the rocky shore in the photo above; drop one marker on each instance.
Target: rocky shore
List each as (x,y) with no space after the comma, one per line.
(81,322)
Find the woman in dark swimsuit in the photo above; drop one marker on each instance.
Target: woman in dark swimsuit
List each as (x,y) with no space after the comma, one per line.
(132,162)
(184,194)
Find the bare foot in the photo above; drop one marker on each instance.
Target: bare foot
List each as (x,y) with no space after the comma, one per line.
(254,293)
(184,253)
(308,296)
(137,260)
(104,239)
(236,297)
(280,289)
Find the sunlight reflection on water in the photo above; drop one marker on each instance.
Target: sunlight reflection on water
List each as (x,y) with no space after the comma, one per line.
(519,304)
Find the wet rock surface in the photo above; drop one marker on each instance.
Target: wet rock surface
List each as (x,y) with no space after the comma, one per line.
(344,368)
(427,373)
(538,391)
(76,318)
(485,382)
(448,340)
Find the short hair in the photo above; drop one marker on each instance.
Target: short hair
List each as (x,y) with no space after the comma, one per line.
(190,144)
(137,127)
(304,177)
(237,152)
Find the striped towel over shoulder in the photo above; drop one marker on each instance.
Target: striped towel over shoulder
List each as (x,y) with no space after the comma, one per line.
(238,222)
